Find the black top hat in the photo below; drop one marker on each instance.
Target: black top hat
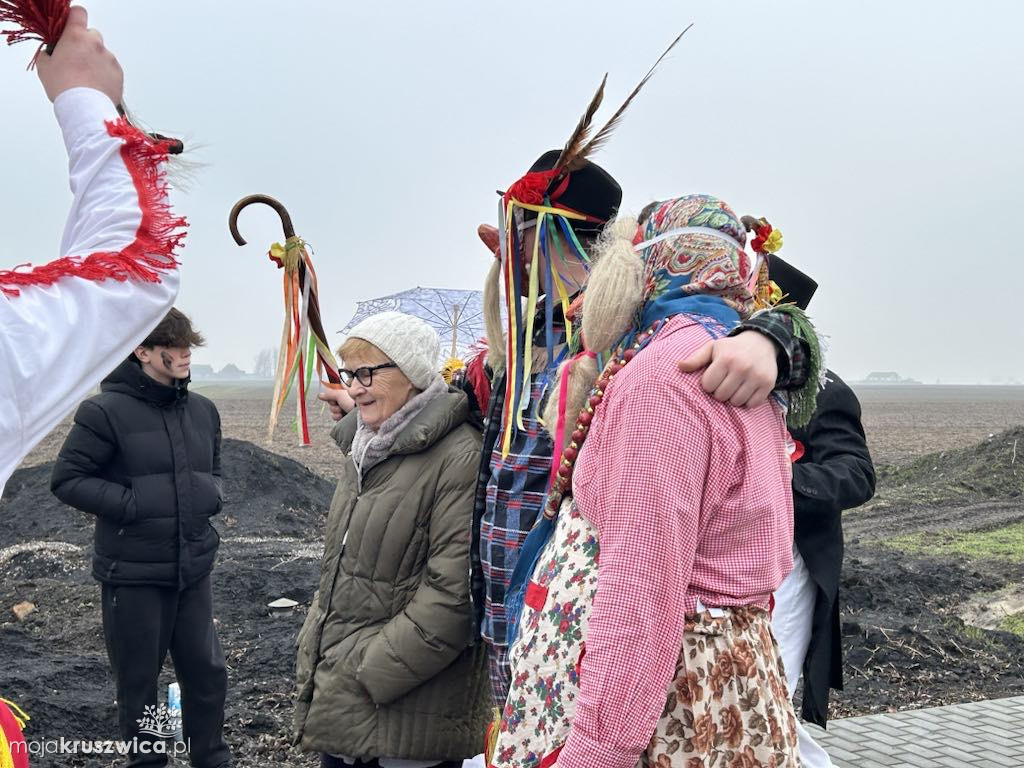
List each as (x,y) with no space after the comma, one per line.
(591,190)
(796,286)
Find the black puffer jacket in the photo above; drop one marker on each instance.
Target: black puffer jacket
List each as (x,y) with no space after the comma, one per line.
(144,458)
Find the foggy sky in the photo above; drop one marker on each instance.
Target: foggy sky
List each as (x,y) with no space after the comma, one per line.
(882,138)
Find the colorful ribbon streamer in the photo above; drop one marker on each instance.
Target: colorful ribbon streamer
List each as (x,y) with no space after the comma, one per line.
(303,345)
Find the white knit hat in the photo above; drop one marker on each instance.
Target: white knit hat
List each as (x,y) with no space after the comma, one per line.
(407,341)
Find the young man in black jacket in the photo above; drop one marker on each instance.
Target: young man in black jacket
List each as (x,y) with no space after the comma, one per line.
(833,472)
(143,456)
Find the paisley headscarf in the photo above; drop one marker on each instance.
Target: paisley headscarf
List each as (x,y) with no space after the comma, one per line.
(694,261)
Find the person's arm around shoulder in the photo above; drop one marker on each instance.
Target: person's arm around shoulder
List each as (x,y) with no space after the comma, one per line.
(760,355)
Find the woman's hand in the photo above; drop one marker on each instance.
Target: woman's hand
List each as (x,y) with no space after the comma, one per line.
(338,400)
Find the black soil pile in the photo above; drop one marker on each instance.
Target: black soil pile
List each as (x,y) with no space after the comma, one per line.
(53,663)
(905,646)
(977,488)
(904,643)
(992,470)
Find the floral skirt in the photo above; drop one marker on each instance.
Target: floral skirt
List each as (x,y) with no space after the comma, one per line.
(727,706)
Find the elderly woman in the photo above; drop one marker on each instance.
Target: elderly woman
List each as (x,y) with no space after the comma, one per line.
(388,672)
(645,633)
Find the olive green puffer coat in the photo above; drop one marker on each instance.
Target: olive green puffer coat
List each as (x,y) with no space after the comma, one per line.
(387,666)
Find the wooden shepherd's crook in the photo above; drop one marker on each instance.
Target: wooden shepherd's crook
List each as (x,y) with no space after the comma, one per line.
(286,219)
(315,321)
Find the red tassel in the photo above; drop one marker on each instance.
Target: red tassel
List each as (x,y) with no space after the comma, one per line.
(42,20)
(158,237)
(476,375)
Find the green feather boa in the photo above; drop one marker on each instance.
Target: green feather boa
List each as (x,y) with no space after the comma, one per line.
(803,401)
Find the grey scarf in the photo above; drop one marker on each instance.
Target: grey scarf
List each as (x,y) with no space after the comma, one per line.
(371,446)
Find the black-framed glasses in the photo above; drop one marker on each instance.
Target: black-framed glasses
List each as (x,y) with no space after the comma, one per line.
(364,374)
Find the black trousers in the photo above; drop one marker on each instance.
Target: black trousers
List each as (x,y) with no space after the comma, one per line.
(140,625)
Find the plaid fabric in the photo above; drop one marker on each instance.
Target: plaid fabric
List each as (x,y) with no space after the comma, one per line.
(793,353)
(492,427)
(510,492)
(500,671)
(515,491)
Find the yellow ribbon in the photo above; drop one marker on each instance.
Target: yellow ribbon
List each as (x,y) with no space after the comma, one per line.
(19,714)
(516,417)
(549,209)
(506,440)
(6,760)
(531,311)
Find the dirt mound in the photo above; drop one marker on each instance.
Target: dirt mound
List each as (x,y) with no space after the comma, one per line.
(54,661)
(992,470)
(264,495)
(904,644)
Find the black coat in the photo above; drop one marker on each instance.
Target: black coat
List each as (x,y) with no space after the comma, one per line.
(835,473)
(144,458)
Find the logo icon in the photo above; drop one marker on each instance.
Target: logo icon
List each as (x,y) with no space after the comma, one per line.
(160,721)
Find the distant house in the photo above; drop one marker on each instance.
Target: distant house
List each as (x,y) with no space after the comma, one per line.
(229,372)
(202,372)
(233,372)
(887,377)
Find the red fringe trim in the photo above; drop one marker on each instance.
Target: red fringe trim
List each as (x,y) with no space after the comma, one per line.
(42,20)
(158,237)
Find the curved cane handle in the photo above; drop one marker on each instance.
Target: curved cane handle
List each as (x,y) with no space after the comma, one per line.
(286,219)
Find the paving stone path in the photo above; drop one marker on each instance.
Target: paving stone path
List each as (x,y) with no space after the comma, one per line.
(982,733)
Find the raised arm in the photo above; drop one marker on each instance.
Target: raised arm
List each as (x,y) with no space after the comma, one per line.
(68,322)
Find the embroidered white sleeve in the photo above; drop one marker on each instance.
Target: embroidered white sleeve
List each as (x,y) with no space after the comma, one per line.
(60,340)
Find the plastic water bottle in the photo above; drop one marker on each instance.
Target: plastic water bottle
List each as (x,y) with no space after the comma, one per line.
(174,707)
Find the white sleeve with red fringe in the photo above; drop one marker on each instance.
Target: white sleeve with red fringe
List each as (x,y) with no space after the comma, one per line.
(68,323)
